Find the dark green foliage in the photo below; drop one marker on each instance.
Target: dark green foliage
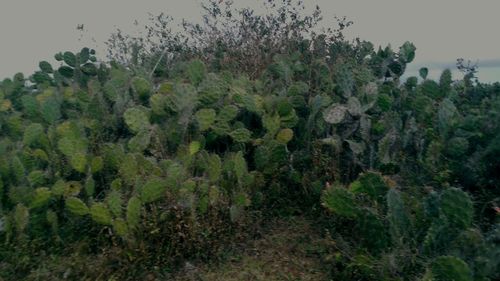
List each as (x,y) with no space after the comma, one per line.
(100,213)
(76,206)
(133,212)
(196,71)
(66,71)
(33,134)
(456,208)
(153,190)
(398,217)
(339,201)
(69,58)
(142,87)
(370,184)
(46,67)
(431,89)
(445,81)
(423,72)
(407,52)
(89,69)
(450,268)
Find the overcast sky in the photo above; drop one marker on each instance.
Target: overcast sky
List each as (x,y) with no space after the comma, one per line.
(443,30)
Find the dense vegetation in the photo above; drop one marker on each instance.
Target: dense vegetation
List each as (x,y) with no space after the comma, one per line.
(172,150)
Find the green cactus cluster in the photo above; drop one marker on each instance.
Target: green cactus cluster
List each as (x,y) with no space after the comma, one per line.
(122,159)
(80,66)
(438,229)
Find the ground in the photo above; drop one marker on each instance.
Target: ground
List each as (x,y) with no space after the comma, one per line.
(284,248)
(289,249)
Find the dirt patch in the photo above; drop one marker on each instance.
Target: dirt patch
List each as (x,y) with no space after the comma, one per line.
(288,250)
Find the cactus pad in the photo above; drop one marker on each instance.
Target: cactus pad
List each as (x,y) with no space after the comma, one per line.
(153,190)
(100,214)
(335,114)
(456,208)
(136,119)
(241,135)
(339,200)
(449,268)
(76,206)
(284,136)
(205,118)
(133,212)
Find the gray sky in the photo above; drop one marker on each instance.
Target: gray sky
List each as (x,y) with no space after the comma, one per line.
(442,30)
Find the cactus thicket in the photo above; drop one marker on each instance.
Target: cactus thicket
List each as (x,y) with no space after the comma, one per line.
(154,165)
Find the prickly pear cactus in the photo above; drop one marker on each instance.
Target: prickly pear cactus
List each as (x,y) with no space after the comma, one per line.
(100,213)
(46,67)
(339,200)
(205,117)
(142,87)
(76,206)
(41,197)
(241,135)
(407,52)
(134,212)
(196,71)
(32,134)
(136,119)
(214,167)
(446,268)
(456,208)
(178,158)
(284,136)
(373,232)
(371,184)
(448,116)
(335,114)
(21,218)
(158,104)
(114,201)
(153,190)
(227,113)
(398,217)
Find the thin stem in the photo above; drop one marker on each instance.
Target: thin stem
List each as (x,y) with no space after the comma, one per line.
(158,62)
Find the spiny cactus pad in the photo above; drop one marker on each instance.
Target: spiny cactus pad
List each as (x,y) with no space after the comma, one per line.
(136,119)
(205,118)
(142,87)
(134,212)
(33,133)
(241,135)
(153,190)
(284,136)
(196,71)
(340,201)
(449,268)
(114,201)
(41,197)
(76,206)
(399,219)
(371,184)
(100,213)
(21,217)
(335,114)
(456,208)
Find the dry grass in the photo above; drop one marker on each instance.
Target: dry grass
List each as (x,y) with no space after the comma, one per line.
(288,250)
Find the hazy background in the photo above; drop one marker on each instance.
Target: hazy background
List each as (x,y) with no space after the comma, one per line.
(444,30)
